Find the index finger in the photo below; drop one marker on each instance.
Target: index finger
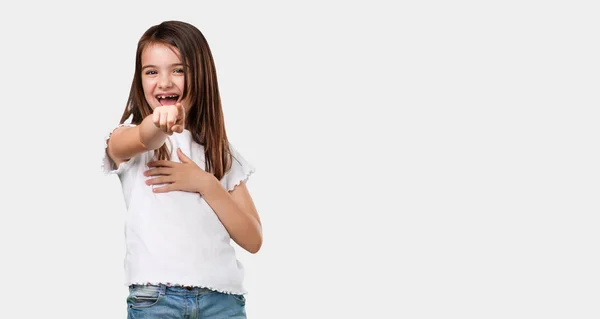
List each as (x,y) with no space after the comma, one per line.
(164,163)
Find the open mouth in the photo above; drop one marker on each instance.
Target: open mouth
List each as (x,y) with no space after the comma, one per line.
(167,99)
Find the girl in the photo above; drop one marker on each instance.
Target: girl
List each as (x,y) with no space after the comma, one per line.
(183,184)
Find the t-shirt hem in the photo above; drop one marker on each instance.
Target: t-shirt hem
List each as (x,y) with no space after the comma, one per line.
(169,284)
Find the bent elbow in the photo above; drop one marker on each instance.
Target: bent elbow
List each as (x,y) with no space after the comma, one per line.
(253,249)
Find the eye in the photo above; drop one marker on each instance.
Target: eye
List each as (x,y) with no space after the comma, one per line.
(178,70)
(150,72)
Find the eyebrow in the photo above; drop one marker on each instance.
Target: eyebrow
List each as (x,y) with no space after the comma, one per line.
(154,66)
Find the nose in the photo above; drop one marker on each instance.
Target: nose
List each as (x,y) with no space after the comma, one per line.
(165,81)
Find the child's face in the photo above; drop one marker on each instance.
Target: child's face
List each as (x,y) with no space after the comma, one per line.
(163,79)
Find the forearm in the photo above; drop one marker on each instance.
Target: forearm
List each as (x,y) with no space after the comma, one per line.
(127,142)
(243,228)
(151,136)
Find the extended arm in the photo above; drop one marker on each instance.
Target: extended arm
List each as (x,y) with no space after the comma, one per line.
(126,142)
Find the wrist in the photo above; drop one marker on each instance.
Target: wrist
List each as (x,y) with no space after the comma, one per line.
(208,184)
(151,136)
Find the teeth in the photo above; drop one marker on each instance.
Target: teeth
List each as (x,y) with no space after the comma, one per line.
(165,96)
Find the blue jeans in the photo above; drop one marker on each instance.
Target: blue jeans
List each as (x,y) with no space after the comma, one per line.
(149,302)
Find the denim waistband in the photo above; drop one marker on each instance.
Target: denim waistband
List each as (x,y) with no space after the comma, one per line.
(174,289)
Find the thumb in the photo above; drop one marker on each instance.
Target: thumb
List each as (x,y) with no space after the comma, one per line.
(182,157)
(181,110)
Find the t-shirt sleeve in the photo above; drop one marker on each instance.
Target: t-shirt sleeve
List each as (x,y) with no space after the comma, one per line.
(240,170)
(108,166)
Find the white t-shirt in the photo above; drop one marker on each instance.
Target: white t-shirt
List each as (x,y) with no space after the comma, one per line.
(175,237)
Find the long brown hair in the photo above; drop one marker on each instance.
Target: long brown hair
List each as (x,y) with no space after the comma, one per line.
(205,117)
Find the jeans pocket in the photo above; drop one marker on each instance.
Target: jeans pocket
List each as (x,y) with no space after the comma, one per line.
(143,296)
(239,298)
